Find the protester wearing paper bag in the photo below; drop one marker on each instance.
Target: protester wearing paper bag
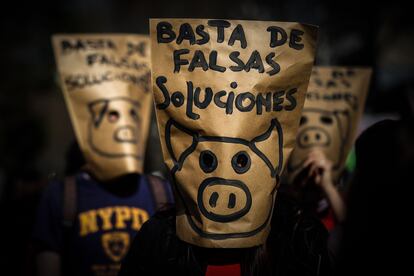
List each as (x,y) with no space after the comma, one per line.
(333,107)
(229,96)
(86,223)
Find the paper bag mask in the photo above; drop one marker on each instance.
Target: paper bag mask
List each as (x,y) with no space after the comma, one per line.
(228,97)
(106,86)
(333,107)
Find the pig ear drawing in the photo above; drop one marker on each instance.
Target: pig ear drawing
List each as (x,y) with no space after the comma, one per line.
(271,143)
(98,109)
(180,142)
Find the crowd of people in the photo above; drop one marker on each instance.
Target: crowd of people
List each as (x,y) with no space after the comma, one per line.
(281,205)
(372,217)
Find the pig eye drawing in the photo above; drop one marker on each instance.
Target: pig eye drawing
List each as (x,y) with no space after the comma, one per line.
(241,162)
(326,120)
(113,116)
(303,120)
(208,161)
(134,114)
(113,127)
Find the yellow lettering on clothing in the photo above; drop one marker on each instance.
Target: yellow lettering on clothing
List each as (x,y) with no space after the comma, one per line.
(111,218)
(139,216)
(122,214)
(106,214)
(88,224)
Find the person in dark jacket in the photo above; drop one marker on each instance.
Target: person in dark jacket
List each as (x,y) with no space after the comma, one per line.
(377,231)
(296,246)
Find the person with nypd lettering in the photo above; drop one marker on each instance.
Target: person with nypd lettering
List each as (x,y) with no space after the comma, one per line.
(86,222)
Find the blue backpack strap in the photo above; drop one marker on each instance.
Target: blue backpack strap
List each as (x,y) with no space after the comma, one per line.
(158,190)
(69,216)
(69,201)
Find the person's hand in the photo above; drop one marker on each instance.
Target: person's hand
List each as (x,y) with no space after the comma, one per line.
(319,169)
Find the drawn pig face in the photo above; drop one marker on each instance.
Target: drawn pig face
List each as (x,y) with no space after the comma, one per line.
(227,185)
(327,130)
(113,130)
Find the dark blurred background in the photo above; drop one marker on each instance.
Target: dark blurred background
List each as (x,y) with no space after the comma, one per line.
(35,131)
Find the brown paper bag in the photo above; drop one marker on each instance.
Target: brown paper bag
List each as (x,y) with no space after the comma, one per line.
(105,80)
(333,107)
(229,96)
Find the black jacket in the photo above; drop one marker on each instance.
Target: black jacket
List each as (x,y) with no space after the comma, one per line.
(297,245)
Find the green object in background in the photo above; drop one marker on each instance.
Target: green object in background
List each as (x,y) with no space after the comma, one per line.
(350,163)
